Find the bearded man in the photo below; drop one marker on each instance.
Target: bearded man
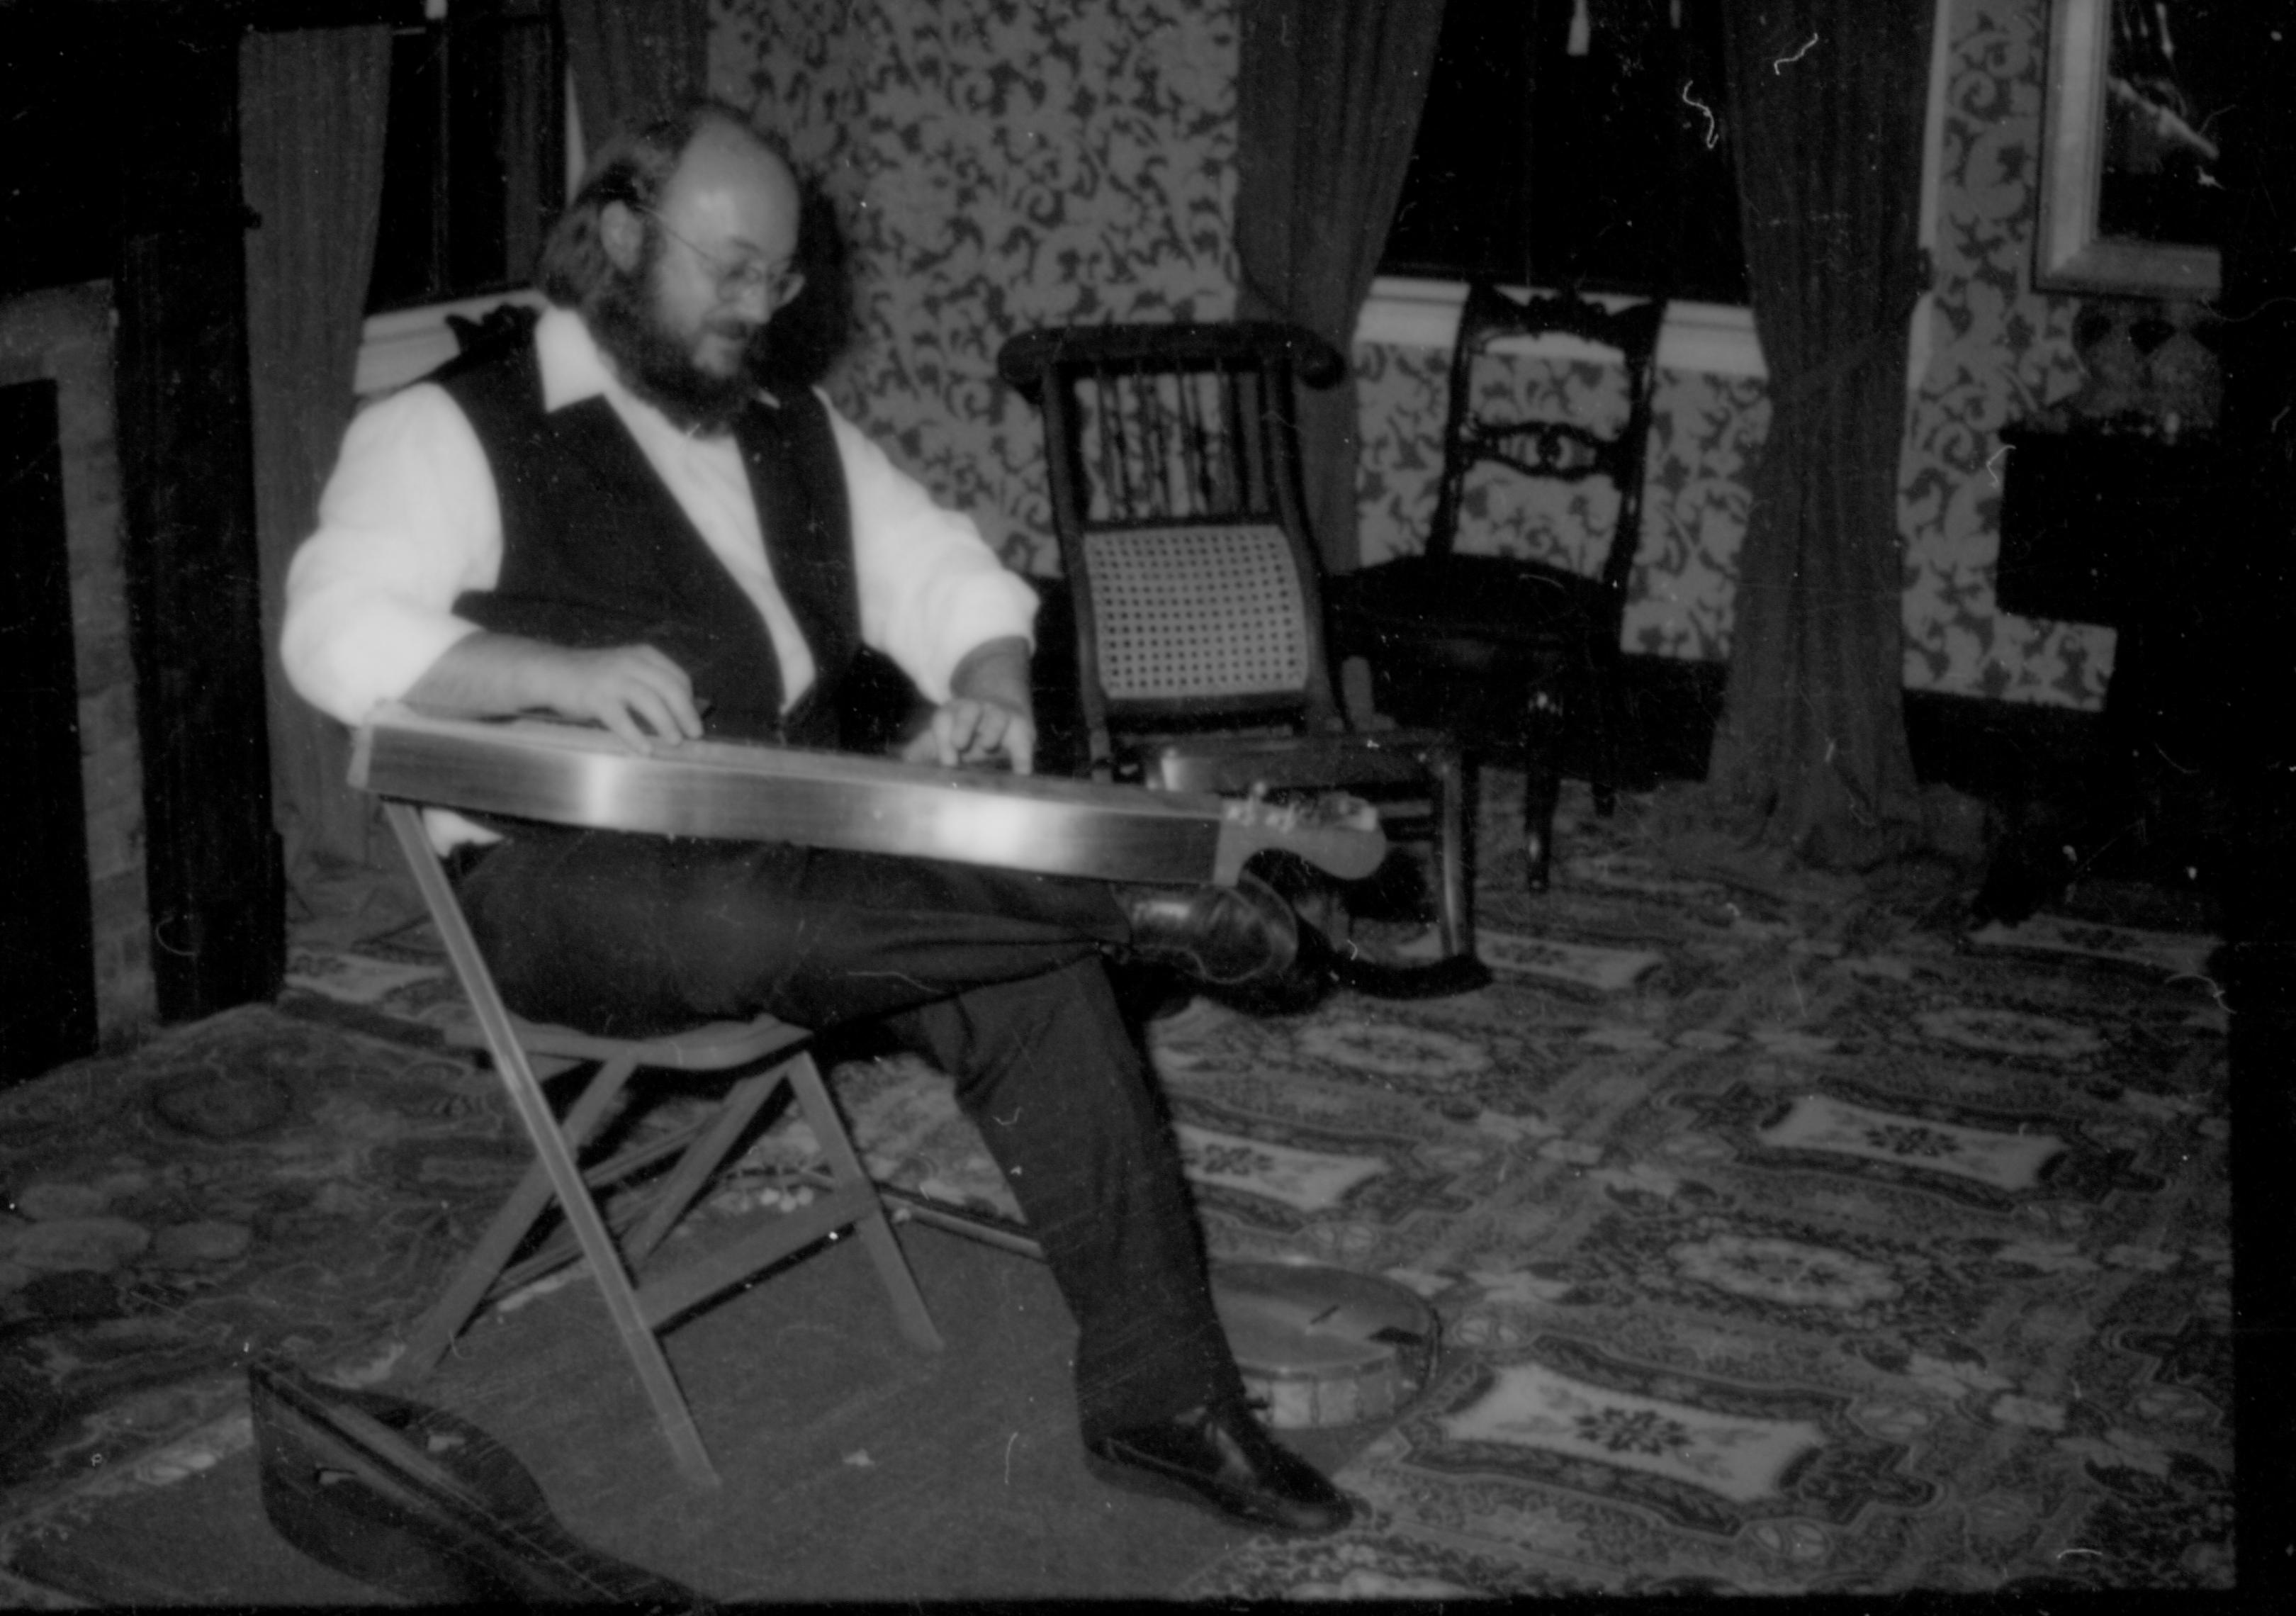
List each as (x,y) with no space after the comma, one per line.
(608,518)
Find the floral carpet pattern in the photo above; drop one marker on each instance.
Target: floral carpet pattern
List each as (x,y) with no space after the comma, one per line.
(1831,1251)
(261,1180)
(1785,1237)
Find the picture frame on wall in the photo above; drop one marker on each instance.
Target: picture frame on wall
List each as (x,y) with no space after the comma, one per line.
(2130,202)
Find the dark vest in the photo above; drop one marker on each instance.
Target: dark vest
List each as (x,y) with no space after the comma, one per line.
(597,552)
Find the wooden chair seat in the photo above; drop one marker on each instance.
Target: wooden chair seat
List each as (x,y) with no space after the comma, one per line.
(1497,601)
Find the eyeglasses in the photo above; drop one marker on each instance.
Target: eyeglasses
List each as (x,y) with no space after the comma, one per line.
(778,282)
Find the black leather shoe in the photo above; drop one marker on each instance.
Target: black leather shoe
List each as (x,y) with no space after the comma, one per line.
(1219,1454)
(1227,935)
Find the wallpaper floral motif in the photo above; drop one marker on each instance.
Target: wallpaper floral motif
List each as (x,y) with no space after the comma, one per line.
(1004,164)
(1999,351)
(1000,164)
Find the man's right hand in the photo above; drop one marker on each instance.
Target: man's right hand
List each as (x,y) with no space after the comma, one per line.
(634,690)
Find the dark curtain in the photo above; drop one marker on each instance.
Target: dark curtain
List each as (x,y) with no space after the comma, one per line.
(1811,754)
(533,172)
(312,106)
(633,60)
(1327,104)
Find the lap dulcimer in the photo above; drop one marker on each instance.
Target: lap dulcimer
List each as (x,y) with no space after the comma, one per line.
(572,774)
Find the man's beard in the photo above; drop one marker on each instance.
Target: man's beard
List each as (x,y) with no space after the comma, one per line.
(656,366)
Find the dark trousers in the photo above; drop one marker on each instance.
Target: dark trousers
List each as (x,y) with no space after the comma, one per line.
(994,976)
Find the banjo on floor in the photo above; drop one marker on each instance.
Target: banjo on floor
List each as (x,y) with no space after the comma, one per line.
(574,774)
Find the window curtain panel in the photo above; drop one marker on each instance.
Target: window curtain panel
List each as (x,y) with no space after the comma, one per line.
(312,108)
(1328,97)
(633,60)
(1811,754)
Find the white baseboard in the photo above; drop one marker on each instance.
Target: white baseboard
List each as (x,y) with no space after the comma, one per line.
(1715,338)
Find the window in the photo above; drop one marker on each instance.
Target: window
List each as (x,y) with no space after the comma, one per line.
(474,152)
(1576,141)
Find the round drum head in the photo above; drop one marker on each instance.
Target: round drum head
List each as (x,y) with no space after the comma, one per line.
(1323,1346)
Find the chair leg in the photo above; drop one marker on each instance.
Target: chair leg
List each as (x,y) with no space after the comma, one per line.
(1454,871)
(607,1269)
(703,1158)
(1542,737)
(524,1090)
(435,1331)
(876,1234)
(1601,701)
(639,1342)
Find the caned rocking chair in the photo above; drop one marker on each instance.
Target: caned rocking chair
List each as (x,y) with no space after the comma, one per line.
(1196,589)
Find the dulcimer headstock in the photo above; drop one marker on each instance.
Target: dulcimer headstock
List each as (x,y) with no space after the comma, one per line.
(1338,833)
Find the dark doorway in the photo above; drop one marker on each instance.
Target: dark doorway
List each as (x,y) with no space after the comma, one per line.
(47,948)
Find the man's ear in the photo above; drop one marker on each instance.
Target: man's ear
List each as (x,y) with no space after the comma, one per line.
(622,233)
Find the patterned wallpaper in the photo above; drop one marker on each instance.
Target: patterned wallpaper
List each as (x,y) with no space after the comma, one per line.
(1004,163)
(1999,352)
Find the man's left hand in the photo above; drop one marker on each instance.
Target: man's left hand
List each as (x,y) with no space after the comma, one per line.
(988,715)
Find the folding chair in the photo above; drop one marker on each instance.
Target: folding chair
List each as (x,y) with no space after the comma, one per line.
(760,1057)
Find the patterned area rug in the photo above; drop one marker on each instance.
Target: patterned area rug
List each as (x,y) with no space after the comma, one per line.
(258,1180)
(1781,1244)
(1783,1239)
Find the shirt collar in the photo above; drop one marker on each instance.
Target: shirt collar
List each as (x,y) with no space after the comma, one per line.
(573,367)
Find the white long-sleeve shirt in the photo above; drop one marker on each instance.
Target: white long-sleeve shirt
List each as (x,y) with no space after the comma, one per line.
(410,519)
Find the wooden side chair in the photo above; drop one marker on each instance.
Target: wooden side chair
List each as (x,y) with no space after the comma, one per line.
(759,1060)
(1516,655)
(1196,589)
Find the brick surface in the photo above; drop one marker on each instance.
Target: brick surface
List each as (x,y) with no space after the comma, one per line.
(65,334)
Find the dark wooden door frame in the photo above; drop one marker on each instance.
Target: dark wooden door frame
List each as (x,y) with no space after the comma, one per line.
(47,948)
(185,434)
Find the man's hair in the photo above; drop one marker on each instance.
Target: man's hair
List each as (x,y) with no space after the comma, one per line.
(633,168)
